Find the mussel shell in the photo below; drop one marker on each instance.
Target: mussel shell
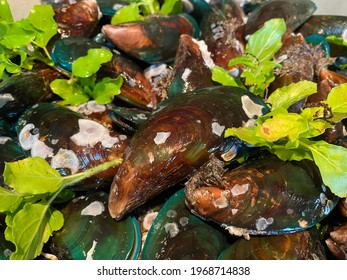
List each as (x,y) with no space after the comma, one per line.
(262,196)
(66,50)
(294,12)
(176,234)
(54,132)
(78,19)
(25,89)
(177,139)
(90,233)
(303,245)
(154,39)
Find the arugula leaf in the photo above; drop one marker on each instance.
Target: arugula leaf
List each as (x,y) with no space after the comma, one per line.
(43,221)
(139,9)
(331,161)
(105,90)
(265,42)
(221,76)
(288,95)
(5,11)
(36,185)
(88,65)
(32,175)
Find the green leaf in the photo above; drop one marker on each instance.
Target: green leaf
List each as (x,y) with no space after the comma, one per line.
(337,99)
(266,41)
(336,40)
(38,229)
(281,125)
(32,176)
(106,89)
(71,92)
(171,7)
(127,14)
(220,75)
(42,18)
(9,200)
(88,65)
(5,11)
(332,164)
(288,95)
(16,36)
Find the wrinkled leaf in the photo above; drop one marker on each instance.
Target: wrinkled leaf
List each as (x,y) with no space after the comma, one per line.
(266,41)
(32,176)
(106,89)
(88,65)
(38,229)
(288,95)
(127,14)
(331,161)
(9,200)
(221,76)
(72,93)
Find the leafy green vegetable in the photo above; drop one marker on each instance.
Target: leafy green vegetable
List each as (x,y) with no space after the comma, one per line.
(82,85)
(257,61)
(33,192)
(289,135)
(139,9)
(25,39)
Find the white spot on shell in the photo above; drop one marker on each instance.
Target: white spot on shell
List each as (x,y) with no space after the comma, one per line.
(234,211)
(161,137)
(151,157)
(206,55)
(184,221)
(5,98)
(171,214)
(250,108)
(171,229)
(323,199)
(93,209)
(262,223)
(66,159)
(186,74)
(148,220)
(4,139)
(303,223)
(40,149)
(26,139)
(91,251)
(217,128)
(239,189)
(91,133)
(221,202)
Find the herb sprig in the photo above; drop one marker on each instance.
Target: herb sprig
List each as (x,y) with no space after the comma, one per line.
(83,86)
(139,9)
(35,186)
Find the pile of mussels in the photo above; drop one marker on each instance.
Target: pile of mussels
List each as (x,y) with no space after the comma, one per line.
(176,195)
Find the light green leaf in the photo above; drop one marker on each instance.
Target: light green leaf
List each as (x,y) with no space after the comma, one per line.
(42,18)
(332,164)
(266,41)
(9,200)
(32,176)
(16,36)
(5,11)
(220,75)
(171,7)
(71,92)
(105,90)
(88,65)
(127,14)
(288,95)
(38,229)
(281,126)
(337,99)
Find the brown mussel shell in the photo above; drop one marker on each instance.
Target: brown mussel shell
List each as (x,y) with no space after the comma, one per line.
(262,196)
(177,139)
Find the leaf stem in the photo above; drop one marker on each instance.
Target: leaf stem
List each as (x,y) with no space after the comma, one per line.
(72,179)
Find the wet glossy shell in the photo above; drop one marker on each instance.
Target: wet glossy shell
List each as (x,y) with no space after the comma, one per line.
(303,245)
(264,196)
(67,140)
(90,233)
(78,19)
(294,12)
(25,89)
(176,140)
(152,40)
(176,234)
